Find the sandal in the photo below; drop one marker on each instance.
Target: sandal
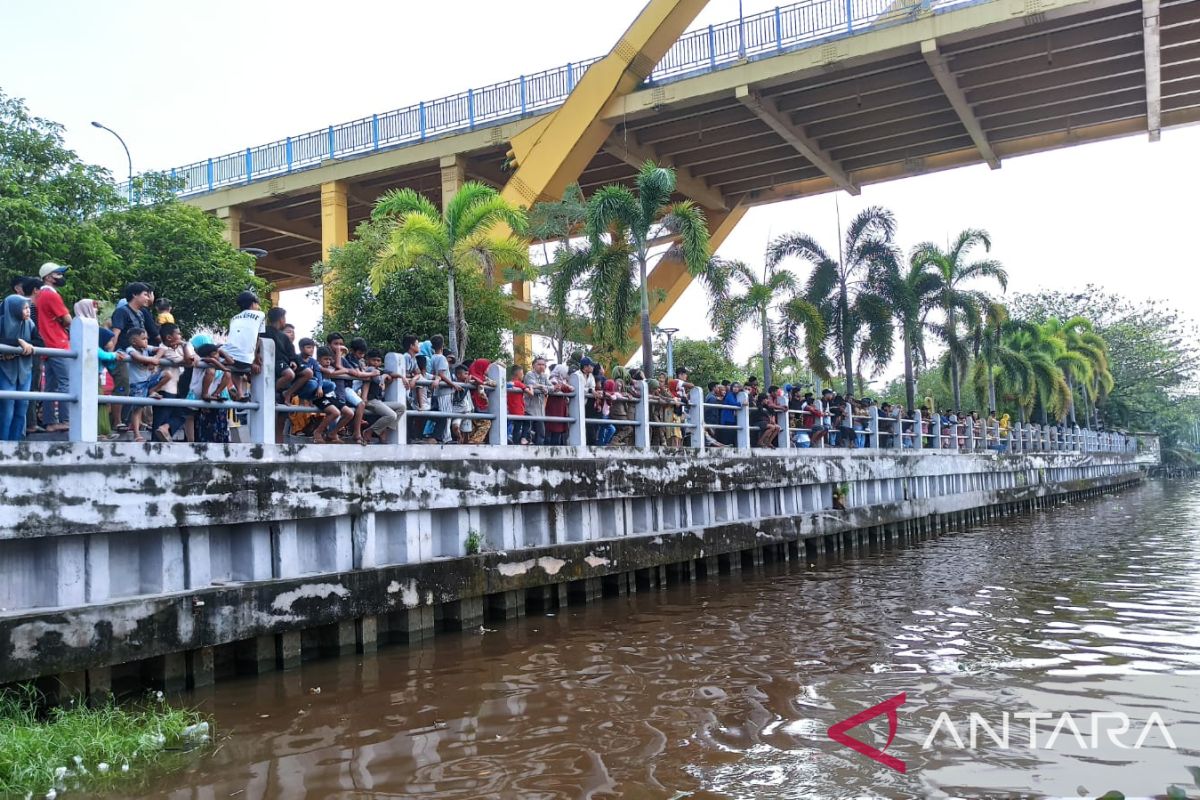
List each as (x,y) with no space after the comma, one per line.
(159,436)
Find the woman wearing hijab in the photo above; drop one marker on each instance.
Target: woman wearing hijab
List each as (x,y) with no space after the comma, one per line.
(87,309)
(16,370)
(479,380)
(557,405)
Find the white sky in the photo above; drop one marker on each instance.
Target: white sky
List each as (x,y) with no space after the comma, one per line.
(183,81)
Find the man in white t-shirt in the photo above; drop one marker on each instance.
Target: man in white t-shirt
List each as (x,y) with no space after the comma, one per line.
(242,344)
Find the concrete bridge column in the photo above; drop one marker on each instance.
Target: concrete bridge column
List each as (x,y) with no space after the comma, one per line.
(232,217)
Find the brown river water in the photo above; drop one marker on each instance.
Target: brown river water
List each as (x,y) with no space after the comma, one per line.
(727,687)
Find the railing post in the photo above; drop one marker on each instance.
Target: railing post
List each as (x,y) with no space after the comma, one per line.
(898,441)
(392,394)
(696,403)
(996,433)
(785,429)
(712,48)
(332,145)
(970,426)
(287,152)
(471,109)
(210,175)
(375,131)
(743,421)
(522,95)
(577,429)
(641,432)
(262,390)
(1015,439)
(570,77)
(872,426)
(84,380)
(849,16)
(249,166)
(778,29)
(935,431)
(917,438)
(421,118)
(498,405)
(1075,440)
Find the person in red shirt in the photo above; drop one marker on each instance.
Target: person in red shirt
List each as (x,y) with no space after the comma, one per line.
(519,430)
(54,325)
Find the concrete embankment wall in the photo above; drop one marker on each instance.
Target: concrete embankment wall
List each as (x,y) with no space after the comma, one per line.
(176,565)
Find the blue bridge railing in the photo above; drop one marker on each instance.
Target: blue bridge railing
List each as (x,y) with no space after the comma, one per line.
(778,30)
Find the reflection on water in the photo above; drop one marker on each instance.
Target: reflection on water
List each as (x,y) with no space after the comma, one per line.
(726,688)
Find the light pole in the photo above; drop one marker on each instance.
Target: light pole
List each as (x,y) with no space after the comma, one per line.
(670,334)
(128,157)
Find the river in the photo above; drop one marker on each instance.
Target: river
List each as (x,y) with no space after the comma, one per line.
(727,687)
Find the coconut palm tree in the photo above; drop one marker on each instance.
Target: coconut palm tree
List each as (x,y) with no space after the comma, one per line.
(758,303)
(614,264)
(479,230)
(1084,362)
(911,293)
(855,315)
(958,303)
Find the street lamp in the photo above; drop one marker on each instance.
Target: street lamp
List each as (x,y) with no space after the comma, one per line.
(128,157)
(670,334)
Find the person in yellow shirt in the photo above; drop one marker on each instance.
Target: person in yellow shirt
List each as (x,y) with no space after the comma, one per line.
(162,307)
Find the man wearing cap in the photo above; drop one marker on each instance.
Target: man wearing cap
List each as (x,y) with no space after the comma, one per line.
(54,325)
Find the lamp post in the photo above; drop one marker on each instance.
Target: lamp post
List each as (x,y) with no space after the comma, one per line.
(128,157)
(670,334)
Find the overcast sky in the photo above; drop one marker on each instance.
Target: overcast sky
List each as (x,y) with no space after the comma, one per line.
(183,81)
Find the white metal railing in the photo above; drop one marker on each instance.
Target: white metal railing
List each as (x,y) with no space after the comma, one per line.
(781,29)
(897,432)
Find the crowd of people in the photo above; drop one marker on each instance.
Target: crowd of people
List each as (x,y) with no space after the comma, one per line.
(340,389)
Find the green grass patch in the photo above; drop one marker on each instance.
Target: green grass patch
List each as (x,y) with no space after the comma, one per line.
(76,748)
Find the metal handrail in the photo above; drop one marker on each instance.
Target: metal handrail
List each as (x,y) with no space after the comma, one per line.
(719,46)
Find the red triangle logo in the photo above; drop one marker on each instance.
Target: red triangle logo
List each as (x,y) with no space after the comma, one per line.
(837,732)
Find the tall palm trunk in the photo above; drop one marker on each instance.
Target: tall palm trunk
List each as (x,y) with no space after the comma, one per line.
(847,352)
(452,313)
(765,326)
(991,388)
(1087,408)
(647,342)
(955,388)
(910,382)
(1071,405)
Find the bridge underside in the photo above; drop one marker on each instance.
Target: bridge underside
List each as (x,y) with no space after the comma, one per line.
(974,85)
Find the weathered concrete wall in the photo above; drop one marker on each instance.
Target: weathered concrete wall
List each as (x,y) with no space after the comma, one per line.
(120,553)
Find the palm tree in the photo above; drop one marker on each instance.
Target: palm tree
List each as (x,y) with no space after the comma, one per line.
(756,304)
(856,317)
(994,356)
(479,229)
(1044,352)
(958,303)
(615,262)
(910,293)
(1084,361)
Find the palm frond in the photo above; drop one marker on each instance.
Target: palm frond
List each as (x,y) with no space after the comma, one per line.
(687,220)
(401,202)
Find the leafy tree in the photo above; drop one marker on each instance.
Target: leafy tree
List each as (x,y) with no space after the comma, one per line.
(470,236)
(181,252)
(856,318)
(49,202)
(411,300)
(705,359)
(957,302)
(562,317)
(614,264)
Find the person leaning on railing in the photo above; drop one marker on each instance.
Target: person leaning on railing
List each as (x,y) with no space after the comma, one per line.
(16,370)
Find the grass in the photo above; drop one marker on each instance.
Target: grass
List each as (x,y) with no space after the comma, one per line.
(89,749)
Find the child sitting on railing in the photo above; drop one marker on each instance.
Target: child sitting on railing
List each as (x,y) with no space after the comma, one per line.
(143,375)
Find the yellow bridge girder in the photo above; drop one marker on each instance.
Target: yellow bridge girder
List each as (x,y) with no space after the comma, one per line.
(554,152)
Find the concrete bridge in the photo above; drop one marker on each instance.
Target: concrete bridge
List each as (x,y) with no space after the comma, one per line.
(811,97)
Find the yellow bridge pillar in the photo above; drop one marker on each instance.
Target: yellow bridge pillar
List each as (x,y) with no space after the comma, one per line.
(231,216)
(335,224)
(555,151)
